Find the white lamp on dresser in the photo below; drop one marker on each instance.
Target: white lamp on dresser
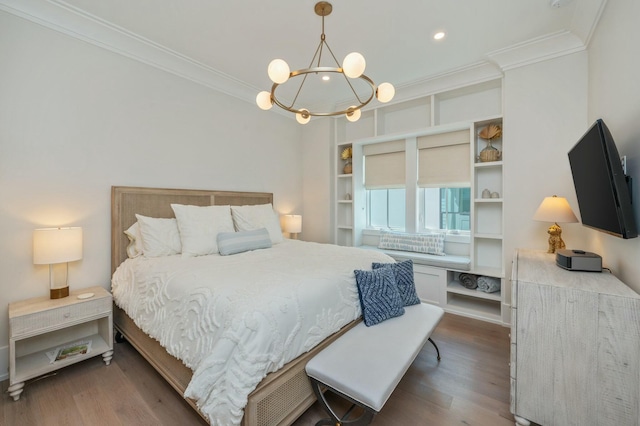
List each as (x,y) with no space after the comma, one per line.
(555,209)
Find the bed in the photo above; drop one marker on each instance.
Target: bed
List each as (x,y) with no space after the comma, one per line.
(282,395)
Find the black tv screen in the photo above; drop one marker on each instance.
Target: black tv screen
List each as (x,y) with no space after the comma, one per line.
(602,189)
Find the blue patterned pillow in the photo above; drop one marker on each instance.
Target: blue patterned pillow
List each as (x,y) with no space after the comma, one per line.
(403,273)
(379,295)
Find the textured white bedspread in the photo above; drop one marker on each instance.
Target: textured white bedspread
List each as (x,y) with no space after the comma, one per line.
(233,319)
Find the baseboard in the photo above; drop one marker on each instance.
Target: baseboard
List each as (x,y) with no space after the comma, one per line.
(4,363)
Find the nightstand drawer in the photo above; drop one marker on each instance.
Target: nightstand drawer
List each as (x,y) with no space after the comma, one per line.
(38,322)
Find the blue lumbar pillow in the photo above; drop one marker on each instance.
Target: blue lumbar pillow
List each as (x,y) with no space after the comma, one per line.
(403,273)
(379,295)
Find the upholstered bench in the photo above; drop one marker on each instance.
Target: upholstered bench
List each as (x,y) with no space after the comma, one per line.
(366,363)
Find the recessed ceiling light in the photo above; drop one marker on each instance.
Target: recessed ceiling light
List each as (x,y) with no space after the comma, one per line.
(326,78)
(439,35)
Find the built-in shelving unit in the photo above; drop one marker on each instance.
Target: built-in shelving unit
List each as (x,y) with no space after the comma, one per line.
(470,107)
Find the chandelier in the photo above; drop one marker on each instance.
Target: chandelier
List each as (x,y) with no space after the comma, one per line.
(352,68)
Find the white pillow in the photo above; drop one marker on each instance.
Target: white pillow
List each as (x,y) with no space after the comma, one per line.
(199,227)
(160,237)
(134,249)
(248,218)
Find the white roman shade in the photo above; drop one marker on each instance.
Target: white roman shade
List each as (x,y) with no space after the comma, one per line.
(444,160)
(384,165)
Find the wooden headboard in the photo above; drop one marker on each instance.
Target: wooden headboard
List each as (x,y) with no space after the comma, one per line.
(127,201)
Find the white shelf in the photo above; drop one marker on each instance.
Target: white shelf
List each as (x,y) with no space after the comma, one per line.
(488,200)
(349,228)
(488,164)
(488,236)
(344,176)
(37,363)
(456,287)
(345,201)
(490,272)
(488,310)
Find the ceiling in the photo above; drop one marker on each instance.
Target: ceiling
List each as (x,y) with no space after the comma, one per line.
(228,45)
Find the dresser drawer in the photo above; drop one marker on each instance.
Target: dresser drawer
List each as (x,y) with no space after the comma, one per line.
(51,319)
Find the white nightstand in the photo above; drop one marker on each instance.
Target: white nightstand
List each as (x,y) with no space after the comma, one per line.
(40,325)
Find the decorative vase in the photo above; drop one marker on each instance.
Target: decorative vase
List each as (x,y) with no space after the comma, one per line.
(347,168)
(489,153)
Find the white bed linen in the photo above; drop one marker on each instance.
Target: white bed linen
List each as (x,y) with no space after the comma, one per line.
(233,319)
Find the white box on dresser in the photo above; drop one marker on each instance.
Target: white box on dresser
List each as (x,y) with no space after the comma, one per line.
(575,345)
(39,325)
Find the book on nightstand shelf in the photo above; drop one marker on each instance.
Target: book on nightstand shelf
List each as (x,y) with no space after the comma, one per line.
(70,350)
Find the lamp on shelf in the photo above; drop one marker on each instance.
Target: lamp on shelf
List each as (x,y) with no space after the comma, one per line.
(351,69)
(293,225)
(57,247)
(555,209)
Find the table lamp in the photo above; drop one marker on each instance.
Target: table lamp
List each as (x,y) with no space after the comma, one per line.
(57,247)
(293,225)
(555,209)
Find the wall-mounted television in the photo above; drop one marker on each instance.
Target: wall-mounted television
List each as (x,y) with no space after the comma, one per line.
(602,188)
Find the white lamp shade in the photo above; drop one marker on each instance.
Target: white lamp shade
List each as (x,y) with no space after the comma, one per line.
(278,71)
(354,116)
(555,209)
(303,119)
(57,245)
(264,100)
(385,92)
(293,223)
(353,65)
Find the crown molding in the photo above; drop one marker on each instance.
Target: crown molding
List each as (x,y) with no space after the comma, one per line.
(537,50)
(586,18)
(69,20)
(61,17)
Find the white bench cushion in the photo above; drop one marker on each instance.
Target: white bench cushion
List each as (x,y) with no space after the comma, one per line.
(367,363)
(448,261)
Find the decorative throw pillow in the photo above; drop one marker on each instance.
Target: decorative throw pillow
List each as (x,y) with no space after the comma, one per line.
(160,237)
(241,241)
(403,273)
(134,249)
(199,227)
(419,243)
(379,295)
(248,218)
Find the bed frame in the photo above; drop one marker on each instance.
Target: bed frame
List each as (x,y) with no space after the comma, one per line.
(282,396)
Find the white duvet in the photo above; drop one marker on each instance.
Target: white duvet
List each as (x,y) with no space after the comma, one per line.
(233,319)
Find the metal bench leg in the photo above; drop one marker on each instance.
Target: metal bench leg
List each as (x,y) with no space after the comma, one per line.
(364,419)
(435,346)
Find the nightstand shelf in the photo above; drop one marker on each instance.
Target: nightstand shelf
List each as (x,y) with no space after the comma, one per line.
(41,325)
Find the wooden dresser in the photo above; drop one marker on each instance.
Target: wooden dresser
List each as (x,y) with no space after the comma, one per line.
(575,345)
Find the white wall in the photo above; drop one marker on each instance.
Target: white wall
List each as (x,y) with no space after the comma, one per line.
(76,119)
(614,96)
(545,113)
(317,183)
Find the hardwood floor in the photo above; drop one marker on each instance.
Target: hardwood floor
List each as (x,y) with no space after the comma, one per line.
(469,386)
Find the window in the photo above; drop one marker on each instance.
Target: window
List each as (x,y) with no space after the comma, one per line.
(445,209)
(386,209)
(439,166)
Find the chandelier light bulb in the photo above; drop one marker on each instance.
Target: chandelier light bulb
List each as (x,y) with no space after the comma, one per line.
(354,65)
(264,100)
(304,117)
(385,92)
(278,71)
(353,114)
